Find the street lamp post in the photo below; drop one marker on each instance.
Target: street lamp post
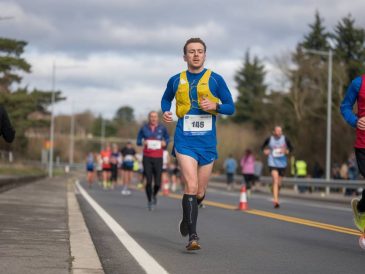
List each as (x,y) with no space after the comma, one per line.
(50,165)
(51,150)
(328,53)
(72,138)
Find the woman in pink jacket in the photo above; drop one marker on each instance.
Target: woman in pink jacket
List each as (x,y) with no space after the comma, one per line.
(248,168)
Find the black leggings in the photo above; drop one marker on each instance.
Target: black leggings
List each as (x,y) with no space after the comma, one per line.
(153,169)
(360,158)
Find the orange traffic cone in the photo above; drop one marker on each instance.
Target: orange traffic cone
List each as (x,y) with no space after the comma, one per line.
(243,205)
(165,188)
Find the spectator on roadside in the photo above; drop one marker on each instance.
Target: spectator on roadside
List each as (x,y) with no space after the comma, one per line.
(317,171)
(352,174)
(353,169)
(248,169)
(301,172)
(230,166)
(336,171)
(258,171)
(344,171)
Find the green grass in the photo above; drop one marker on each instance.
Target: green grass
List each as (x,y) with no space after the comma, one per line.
(20,170)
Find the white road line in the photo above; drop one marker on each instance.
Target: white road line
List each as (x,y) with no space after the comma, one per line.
(145,260)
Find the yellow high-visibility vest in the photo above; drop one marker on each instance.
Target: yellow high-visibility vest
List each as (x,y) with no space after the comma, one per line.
(183,103)
(301,167)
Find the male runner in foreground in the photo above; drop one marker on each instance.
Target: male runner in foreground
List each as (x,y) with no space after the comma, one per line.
(198,92)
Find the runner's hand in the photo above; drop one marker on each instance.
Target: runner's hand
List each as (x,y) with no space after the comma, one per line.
(361,123)
(266,151)
(163,143)
(205,105)
(167,116)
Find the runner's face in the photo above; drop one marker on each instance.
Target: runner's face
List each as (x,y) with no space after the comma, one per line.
(195,56)
(278,131)
(153,118)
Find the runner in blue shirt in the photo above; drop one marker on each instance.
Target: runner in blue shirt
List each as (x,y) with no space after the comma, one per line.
(200,95)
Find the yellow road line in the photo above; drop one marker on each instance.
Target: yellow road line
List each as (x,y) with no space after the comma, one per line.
(281,217)
(289,219)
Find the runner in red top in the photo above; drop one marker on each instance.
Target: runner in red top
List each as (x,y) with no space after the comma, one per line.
(154,138)
(106,165)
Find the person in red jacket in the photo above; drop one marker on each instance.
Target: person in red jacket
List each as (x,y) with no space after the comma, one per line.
(154,138)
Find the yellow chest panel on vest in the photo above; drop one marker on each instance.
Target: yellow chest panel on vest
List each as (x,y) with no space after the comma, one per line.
(183,102)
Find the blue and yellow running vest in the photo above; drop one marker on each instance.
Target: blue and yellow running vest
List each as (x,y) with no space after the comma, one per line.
(183,102)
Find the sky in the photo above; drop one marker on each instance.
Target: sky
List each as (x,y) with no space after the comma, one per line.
(112,53)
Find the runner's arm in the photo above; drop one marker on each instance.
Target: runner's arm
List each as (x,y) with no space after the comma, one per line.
(168,96)
(227,106)
(288,144)
(349,101)
(265,144)
(140,137)
(166,136)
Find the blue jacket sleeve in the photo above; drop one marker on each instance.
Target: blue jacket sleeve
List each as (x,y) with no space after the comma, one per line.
(140,137)
(168,96)
(349,101)
(227,106)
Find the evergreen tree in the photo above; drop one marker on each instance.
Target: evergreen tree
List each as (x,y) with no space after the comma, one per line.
(350,42)
(20,103)
(11,64)
(251,91)
(125,114)
(317,38)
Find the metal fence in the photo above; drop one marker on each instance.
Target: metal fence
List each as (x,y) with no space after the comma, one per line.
(308,182)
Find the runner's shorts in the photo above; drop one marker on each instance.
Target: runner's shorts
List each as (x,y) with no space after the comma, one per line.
(202,156)
(281,170)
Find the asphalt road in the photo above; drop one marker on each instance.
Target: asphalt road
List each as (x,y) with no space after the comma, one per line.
(300,237)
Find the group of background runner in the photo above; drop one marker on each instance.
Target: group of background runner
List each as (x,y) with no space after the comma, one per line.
(114,166)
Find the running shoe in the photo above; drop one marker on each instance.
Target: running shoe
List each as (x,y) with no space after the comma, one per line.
(276,205)
(359,217)
(150,206)
(193,243)
(201,205)
(154,200)
(183,228)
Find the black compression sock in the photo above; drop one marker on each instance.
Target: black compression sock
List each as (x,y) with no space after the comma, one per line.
(149,192)
(200,199)
(190,211)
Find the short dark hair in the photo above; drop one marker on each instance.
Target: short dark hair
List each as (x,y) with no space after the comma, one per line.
(194,40)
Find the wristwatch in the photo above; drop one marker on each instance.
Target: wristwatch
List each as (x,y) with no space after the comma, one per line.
(217,107)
